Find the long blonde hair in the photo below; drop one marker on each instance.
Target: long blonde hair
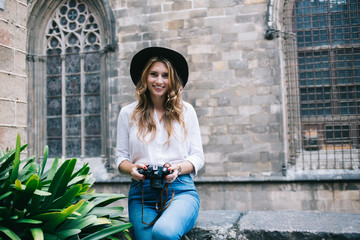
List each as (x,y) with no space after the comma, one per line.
(143,114)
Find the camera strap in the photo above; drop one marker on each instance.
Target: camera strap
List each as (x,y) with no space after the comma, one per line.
(159,207)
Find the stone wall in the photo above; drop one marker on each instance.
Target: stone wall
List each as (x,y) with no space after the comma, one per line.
(13,78)
(325,196)
(234,80)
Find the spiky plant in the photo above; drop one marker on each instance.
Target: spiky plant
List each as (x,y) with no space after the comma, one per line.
(57,203)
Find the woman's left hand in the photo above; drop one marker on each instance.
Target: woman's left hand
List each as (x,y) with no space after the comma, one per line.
(171,177)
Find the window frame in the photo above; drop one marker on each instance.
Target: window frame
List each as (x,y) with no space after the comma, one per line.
(309,136)
(36,68)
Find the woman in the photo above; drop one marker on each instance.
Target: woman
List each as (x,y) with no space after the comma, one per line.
(159,129)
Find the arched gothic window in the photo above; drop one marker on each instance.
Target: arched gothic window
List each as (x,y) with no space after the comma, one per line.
(73,87)
(70,48)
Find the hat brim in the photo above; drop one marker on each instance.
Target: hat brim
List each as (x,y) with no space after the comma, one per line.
(141,58)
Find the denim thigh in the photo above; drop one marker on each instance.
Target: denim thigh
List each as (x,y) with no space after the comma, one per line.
(175,221)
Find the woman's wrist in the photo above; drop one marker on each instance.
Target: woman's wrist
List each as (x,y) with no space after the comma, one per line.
(179,169)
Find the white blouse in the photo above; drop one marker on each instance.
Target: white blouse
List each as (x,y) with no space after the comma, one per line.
(157,152)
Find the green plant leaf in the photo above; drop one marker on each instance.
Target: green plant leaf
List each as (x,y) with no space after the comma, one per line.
(18,185)
(9,158)
(28,170)
(81,171)
(126,234)
(67,197)
(79,223)
(85,208)
(85,190)
(49,236)
(77,179)
(41,193)
(66,177)
(55,183)
(22,197)
(46,152)
(103,199)
(37,233)
(52,170)
(67,233)
(16,163)
(107,232)
(102,221)
(9,233)
(35,201)
(107,211)
(29,221)
(55,218)
(5,195)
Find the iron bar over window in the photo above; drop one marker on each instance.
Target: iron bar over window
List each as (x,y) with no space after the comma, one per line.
(323,82)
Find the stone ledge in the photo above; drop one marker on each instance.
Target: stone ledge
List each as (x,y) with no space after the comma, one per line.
(262,225)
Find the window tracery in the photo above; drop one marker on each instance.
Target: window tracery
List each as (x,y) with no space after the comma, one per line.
(73,89)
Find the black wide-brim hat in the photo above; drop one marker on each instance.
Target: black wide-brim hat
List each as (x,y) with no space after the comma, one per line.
(141,58)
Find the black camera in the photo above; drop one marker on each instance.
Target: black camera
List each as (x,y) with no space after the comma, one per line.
(156,175)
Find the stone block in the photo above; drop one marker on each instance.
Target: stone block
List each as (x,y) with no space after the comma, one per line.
(18,36)
(21,113)
(215,225)
(198,13)
(8,13)
(181,5)
(250,110)
(22,14)
(17,84)
(8,137)
(225,111)
(220,4)
(201,48)
(6,59)
(220,66)
(7,115)
(214,158)
(214,169)
(201,3)
(20,63)
(175,24)
(247,2)
(298,225)
(5,34)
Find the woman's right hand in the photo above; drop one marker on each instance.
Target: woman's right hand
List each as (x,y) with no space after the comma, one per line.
(135,174)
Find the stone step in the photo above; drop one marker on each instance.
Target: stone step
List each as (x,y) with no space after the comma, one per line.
(277,225)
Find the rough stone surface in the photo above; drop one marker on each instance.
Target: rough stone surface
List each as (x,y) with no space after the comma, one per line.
(215,225)
(265,225)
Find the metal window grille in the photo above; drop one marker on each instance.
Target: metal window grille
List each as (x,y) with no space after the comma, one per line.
(322,54)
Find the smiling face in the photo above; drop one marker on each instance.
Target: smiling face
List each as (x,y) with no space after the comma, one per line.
(158,81)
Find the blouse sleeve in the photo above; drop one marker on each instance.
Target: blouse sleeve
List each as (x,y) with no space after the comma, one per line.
(195,149)
(122,138)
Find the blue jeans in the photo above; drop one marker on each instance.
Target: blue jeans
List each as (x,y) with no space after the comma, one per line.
(178,219)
